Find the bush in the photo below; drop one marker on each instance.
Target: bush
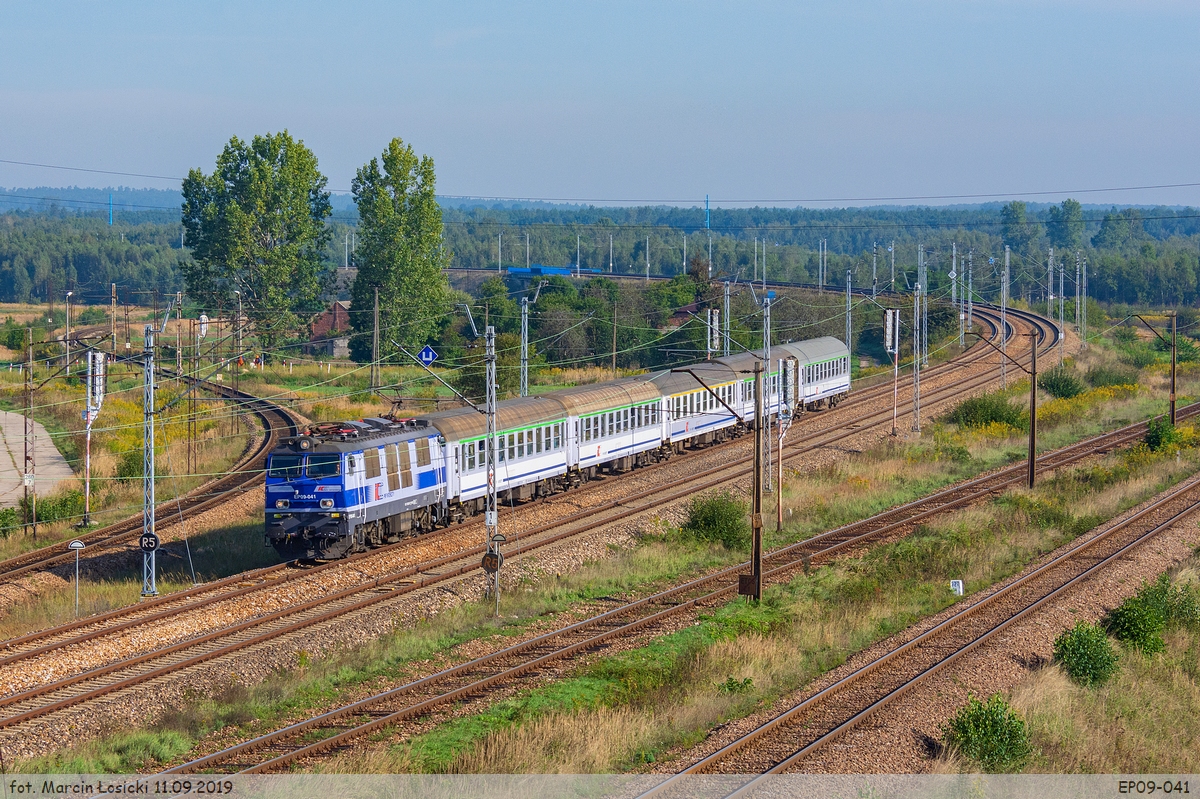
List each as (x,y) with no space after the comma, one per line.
(10,519)
(718,517)
(1102,376)
(1061,383)
(130,466)
(1160,433)
(1086,654)
(65,505)
(988,409)
(990,734)
(92,315)
(1139,356)
(1123,334)
(1157,606)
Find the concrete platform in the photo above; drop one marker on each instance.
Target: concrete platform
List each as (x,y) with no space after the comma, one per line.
(51,466)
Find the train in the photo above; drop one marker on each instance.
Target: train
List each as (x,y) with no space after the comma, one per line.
(345,487)
(541,270)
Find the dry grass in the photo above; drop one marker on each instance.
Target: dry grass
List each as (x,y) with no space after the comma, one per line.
(1146,720)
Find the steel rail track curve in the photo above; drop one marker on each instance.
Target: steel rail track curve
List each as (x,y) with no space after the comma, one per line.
(474,678)
(311,612)
(32,644)
(276,422)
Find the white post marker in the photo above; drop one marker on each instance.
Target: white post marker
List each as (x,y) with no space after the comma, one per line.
(76,545)
(956,586)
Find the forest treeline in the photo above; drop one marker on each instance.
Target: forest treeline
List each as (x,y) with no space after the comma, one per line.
(1134,256)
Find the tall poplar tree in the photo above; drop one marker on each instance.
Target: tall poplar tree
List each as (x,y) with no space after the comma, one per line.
(256,227)
(400,252)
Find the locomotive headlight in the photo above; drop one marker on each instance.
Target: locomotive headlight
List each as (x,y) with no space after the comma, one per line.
(327,503)
(282,504)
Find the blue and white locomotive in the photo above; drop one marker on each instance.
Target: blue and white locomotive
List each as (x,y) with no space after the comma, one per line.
(347,486)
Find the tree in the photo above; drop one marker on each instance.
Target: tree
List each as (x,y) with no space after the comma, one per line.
(256,225)
(1018,232)
(400,252)
(1064,225)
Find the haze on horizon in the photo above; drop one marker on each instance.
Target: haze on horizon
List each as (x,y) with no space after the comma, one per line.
(766,103)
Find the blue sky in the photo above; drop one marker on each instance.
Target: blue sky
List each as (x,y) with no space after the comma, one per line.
(624,102)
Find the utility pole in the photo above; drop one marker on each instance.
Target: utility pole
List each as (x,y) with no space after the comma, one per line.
(1083,308)
(892,250)
(578,265)
(647,259)
(1174,358)
(755,278)
(954,286)
(710,263)
(971,290)
(725,323)
(30,476)
(491,520)
(1061,313)
(1004,321)
(916,422)
(610,253)
(614,342)
(149,576)
(1050,284)
(525,303)
(848,326)
(767,360)
(1077,293)
(375,344)
(527,253)
(112,319)
(891,344)
(755,581)
(237,364)
(874,277)
(67,337)
(685,269)
(1032,407)
(923,281)
(94,399)
(499,251)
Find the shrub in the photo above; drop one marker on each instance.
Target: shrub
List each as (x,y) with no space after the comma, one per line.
(1086,654)
(1157,606)
(1124,334)
(1139,355)
(991,734)
(130,466)
(65,505)
(1102,376)
(10,519)
(1160,433)
(988,409)
(1061,383)
(718,517)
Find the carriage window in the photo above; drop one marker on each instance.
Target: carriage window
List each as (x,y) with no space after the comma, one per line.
(521,444)
(558,435)
(285,466)
(405,465)
(539,440)
(371,459)
(470,461)
(625,420)
(393,467)
(423,452)
(512,446)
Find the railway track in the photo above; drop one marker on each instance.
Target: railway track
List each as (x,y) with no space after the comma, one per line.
(104,680)
(331,731)
(247,473)
(786,741)
(247,583)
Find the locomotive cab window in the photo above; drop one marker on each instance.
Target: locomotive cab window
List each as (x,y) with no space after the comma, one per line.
(324,465)
(287,467)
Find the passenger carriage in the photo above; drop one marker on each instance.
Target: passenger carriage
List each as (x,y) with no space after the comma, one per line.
(346,486)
